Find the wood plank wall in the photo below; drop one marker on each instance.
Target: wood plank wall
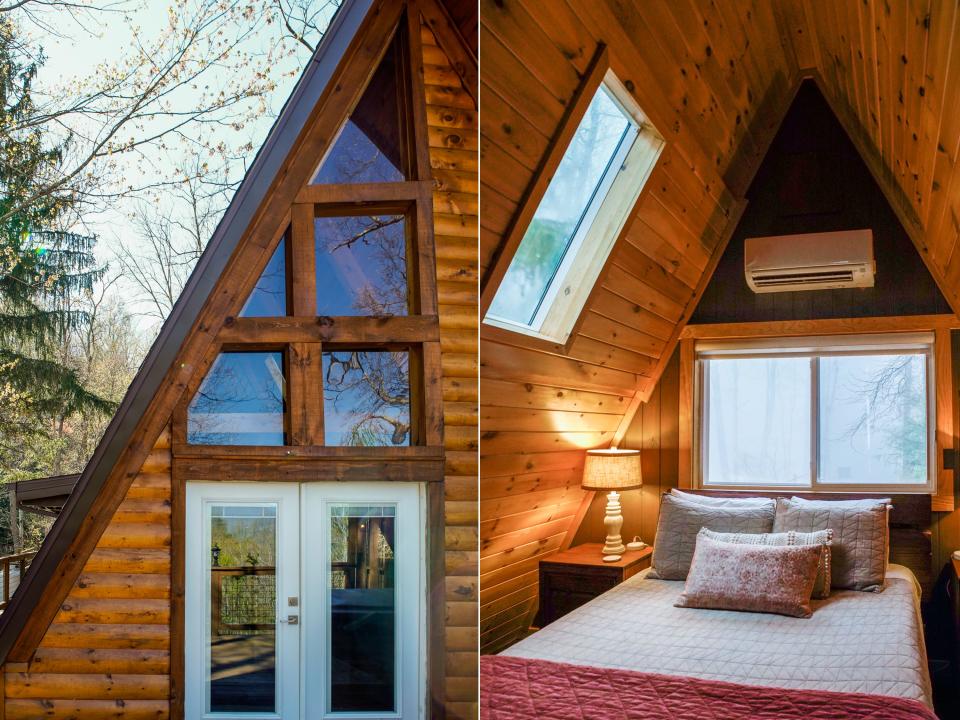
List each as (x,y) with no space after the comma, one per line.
(107,652)
(540,409)
(452,121)
(890,70)
(655,430)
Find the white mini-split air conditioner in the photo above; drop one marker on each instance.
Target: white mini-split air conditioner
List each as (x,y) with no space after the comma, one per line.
(812,261)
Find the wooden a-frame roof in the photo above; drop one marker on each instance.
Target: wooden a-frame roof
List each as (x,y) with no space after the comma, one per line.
(354,37)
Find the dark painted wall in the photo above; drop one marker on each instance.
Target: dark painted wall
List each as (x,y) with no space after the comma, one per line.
(813,180)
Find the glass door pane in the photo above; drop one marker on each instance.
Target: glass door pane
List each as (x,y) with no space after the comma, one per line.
(362,607)
(243,608)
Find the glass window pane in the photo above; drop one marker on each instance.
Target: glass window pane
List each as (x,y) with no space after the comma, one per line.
(240,401)
(366,397)
(361,265)
(873,419)
(368,148)
(757,415)
(362,609)
(269,296)
(574,191)
(243,608)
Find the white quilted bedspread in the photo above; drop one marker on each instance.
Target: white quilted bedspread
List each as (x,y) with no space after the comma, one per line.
(855,642)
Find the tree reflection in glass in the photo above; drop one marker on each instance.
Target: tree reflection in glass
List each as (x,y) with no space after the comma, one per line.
(366,397)
(361,265)
(269,296)
(240,401)
(873,419)
(243,608)
(362,608)
(368,148)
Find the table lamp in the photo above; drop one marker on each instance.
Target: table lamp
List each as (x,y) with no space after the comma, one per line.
(612,470)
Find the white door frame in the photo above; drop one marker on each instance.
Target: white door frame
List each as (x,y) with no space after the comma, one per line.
(303,521)
(199,496)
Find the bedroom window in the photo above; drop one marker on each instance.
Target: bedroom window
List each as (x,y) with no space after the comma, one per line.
(828,413)
(579,217)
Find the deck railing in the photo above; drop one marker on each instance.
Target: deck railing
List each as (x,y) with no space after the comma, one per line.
(13,568)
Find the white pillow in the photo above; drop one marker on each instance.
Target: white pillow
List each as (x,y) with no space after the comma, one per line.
(827,504)
(731,502)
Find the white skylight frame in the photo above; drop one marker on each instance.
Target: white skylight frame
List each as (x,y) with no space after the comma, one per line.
(598,228)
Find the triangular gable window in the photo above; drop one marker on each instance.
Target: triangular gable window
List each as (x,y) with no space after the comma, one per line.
(269,296)
(369,147)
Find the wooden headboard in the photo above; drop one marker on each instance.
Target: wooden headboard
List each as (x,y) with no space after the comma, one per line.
(909,525)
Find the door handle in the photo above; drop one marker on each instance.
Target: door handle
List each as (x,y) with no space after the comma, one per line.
(290,620)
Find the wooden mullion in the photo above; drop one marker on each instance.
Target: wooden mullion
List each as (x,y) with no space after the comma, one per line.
(305,393)
(386,196)
(303,262)
(362,331)
(425,255)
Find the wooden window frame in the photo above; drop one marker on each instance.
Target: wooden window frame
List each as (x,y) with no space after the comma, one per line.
(303,335)
(942,499)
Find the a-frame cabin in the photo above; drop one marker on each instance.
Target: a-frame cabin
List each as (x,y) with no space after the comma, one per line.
(280,519)
(710,83)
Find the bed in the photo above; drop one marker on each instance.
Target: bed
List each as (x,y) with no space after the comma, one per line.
(861,655)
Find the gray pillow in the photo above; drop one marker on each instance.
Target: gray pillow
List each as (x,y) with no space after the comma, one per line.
(860,537)
(681,520)
(823,538)
(723,501)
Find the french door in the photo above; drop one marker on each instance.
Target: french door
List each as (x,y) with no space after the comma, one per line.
(304,601)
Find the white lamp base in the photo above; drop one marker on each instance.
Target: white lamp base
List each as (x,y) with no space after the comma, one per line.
(613,521)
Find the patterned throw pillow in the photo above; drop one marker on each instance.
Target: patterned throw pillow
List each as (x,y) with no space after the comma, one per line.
(823,538)
(861,537)
(755,578)
(681,520)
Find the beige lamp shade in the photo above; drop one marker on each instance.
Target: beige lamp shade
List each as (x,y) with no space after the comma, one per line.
(612,469)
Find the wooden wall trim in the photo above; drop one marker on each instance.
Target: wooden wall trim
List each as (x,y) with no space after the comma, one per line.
(685,442)
(541,179)
(944,500)
(831,326)
(177,592)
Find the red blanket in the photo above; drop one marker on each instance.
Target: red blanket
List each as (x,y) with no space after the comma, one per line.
(521,689)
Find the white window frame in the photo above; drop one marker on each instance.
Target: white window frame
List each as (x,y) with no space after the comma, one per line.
(598,230)
(815,347)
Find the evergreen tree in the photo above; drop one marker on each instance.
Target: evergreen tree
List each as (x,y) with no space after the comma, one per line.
(42,267)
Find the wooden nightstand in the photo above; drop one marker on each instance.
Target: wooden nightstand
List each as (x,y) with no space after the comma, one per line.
(571,578)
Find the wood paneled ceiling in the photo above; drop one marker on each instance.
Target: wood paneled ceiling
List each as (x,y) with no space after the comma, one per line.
(715,77)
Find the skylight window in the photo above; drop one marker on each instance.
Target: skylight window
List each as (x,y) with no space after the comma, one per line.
(567,242)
